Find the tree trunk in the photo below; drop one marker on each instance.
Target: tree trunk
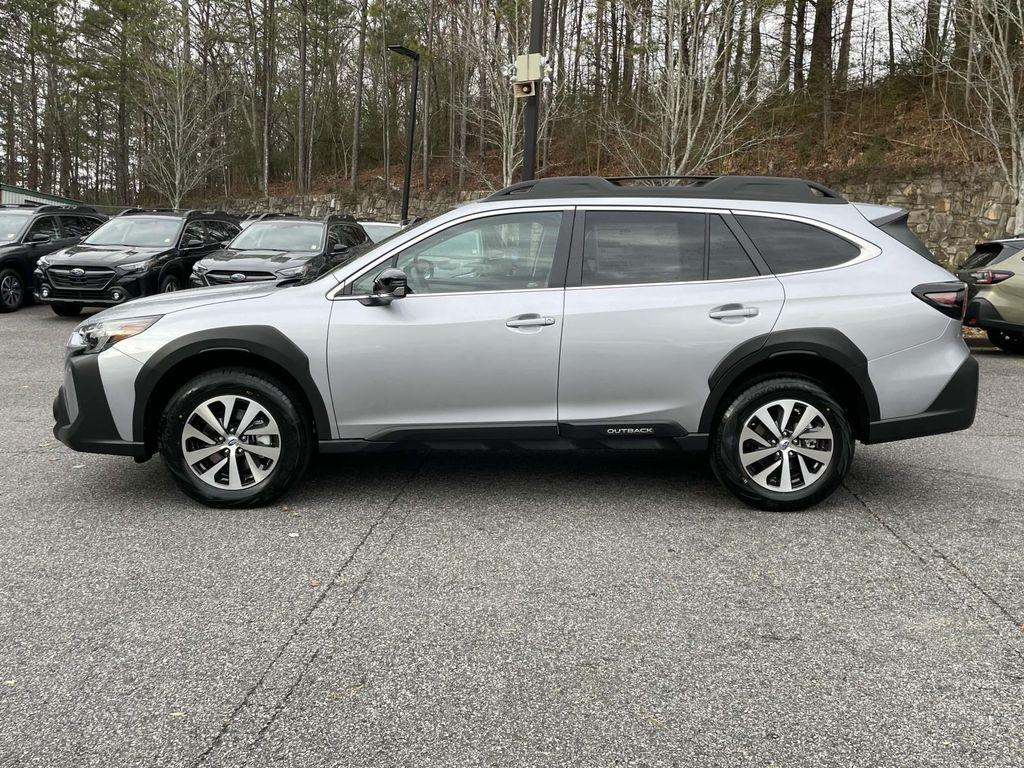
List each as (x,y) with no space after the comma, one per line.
(786,46)
(269,42)
(800,34)
(300,133)
(843,69)
(360,74)
(819,73)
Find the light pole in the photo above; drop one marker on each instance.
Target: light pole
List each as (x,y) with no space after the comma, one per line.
(532,109)
(408,53)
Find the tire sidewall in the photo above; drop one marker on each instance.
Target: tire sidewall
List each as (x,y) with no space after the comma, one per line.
(167,279)
(725,444)
(295,436)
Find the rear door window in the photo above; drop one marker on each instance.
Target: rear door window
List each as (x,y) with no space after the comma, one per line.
(635,247)
(793,246)
(727,260)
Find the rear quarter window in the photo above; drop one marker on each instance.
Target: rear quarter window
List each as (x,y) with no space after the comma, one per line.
(793,246)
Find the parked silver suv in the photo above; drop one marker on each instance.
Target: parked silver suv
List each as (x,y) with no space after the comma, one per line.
(765,319)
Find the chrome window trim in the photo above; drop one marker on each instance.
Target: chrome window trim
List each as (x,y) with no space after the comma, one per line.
(332,294)
(672,282)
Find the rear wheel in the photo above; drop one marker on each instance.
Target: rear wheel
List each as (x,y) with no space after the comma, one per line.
(67,310)
(1008,341)
(782,445)
(234,438)
(12,290)
(170,284)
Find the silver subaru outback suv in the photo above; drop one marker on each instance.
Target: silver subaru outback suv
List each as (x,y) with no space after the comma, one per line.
(767,320)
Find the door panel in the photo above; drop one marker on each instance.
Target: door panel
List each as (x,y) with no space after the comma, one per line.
(446,360)
(643,353)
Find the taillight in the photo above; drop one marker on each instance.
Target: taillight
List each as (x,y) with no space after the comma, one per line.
(948,298)
(990,276)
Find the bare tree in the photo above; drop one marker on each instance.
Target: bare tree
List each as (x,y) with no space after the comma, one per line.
(697,105)
(993,86)
(183,110)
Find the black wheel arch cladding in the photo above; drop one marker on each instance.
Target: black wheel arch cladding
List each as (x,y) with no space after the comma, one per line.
(262,342)
(827,344)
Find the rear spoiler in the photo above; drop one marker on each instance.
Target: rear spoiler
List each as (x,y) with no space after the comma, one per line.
(895,223)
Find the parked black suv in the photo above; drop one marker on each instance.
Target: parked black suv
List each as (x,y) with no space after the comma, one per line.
(282,246)
(137,253)
(31,230)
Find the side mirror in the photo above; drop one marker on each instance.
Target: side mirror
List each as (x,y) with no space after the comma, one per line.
(339,248)
(39,237)
(193,242)
(389,285)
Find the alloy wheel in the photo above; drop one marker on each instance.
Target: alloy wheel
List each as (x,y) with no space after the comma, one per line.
(11,292)
(231,442)
(786,445)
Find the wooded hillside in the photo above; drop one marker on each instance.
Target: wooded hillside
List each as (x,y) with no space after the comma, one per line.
(120,101)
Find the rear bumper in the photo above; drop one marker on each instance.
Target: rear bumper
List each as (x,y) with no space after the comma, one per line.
(951,411)
(982,314)
(89,429)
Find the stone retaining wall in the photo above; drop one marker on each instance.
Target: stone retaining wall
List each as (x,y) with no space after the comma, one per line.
(950,211)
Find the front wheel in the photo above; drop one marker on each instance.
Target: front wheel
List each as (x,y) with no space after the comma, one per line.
(170,284)
(1008,341)
(12,290)
(782,445)
(234,438)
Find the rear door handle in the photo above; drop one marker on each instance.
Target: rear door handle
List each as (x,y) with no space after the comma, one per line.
(531,320)
(732,310)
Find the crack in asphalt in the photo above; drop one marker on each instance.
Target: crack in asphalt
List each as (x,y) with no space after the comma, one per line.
(926,552)
(304,621)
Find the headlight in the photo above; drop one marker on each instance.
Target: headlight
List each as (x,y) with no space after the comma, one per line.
(91,338)
(136,266)
(294,271)
(43,262)
(199,269)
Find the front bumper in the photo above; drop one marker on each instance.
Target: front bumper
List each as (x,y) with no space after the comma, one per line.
(981,313)
(90,429)
(951,411)
(120,289)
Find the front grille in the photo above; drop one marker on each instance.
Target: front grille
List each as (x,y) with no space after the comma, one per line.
(91,279)
(224,278)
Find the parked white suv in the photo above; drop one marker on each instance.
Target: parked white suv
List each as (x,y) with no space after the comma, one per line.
(766,319)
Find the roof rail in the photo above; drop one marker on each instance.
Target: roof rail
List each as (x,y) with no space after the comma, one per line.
(764,188)
(67,209)
(52,207)
(189,213)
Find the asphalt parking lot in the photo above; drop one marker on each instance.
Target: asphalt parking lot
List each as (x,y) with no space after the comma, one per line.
(505,609)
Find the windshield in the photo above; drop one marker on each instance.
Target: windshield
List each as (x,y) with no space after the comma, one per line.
(143,231)
(380,232)
(280,236)
(11,224)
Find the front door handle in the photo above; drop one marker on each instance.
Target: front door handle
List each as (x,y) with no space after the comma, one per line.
(732,310)
(532,320)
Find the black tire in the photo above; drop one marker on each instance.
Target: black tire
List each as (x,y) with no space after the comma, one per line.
(12,290)
(1008,341)
(169,284)
(66,310)
(284,407)
(725,445)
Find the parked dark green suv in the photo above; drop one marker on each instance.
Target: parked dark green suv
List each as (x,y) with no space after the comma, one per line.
(31,230)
